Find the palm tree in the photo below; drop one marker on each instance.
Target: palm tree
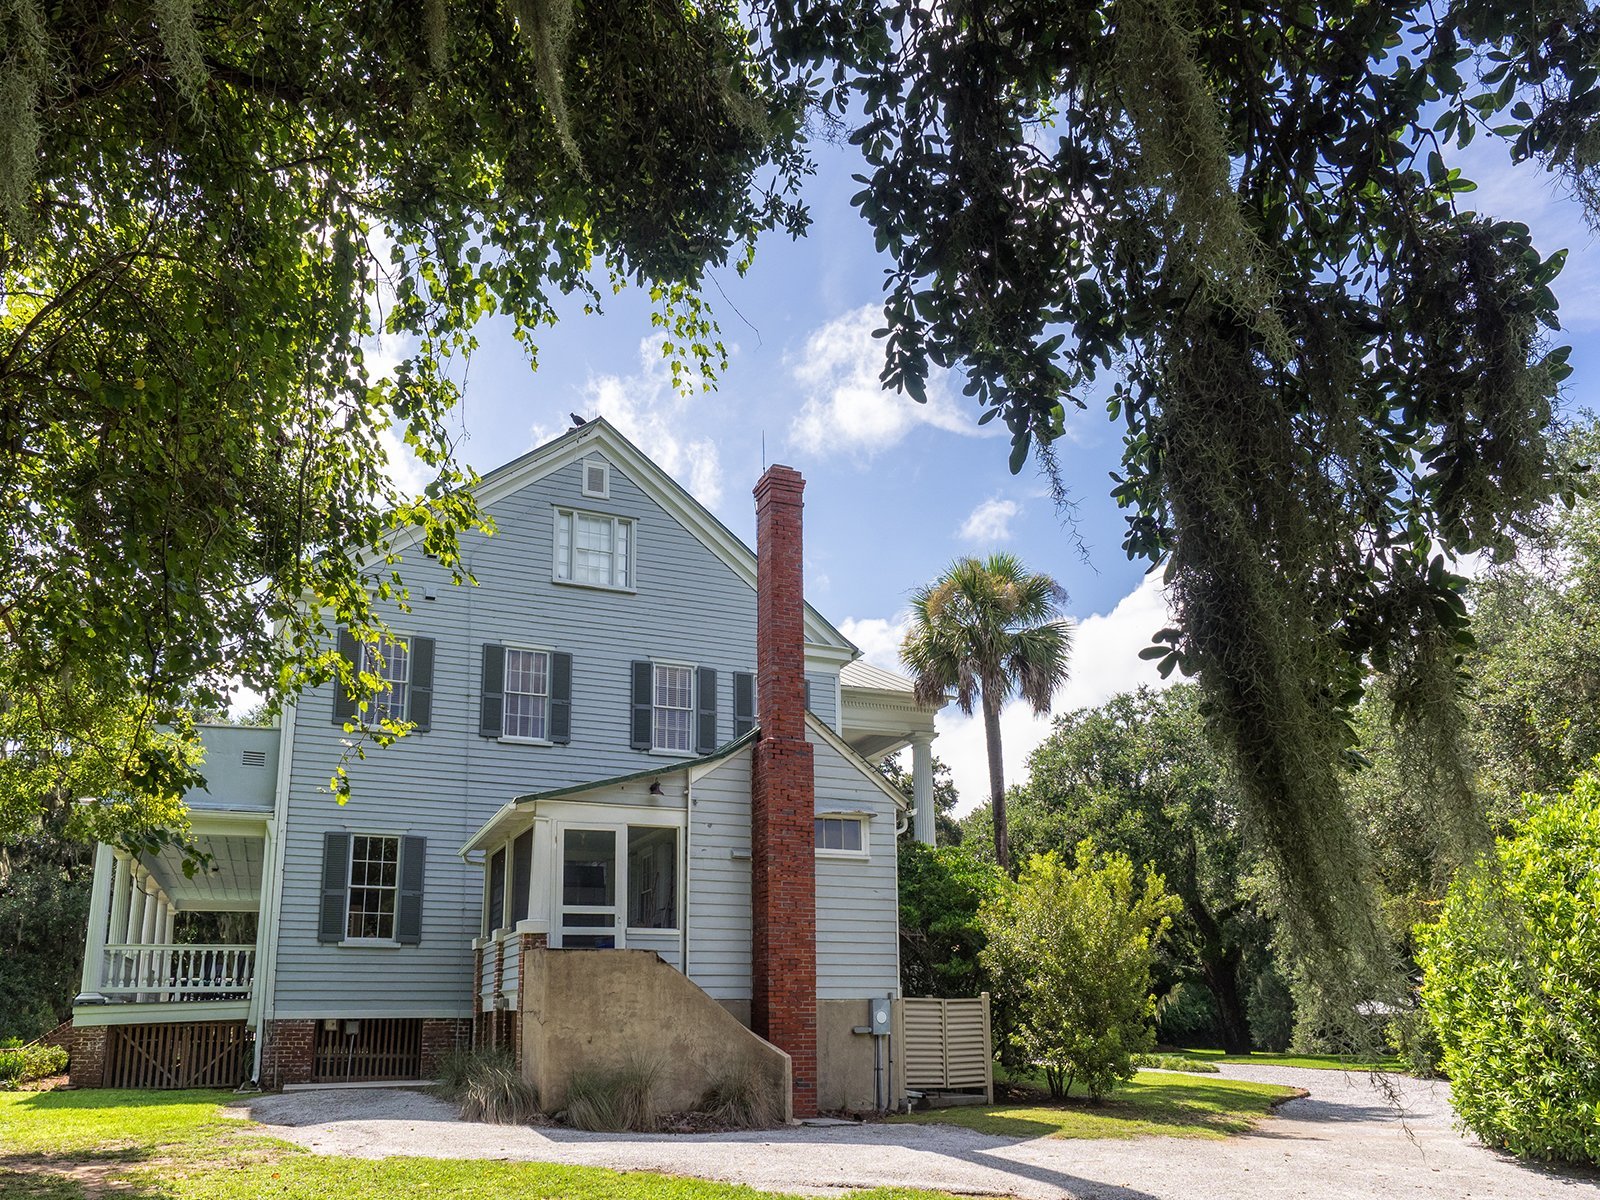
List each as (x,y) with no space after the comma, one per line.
(989,628)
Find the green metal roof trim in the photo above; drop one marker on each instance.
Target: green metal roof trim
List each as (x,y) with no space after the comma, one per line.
(678,764)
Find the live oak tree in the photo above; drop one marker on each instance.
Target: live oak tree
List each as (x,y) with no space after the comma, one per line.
(1236,220)
(1139,775)
(208,209)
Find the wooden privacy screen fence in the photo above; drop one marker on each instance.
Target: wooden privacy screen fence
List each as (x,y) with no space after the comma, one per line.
(367,1050)
(947,1045)
(178,1055)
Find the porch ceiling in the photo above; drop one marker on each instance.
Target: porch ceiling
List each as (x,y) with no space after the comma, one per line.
(230,882)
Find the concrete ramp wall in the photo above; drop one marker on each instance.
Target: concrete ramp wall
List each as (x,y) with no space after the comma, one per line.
(600,1010)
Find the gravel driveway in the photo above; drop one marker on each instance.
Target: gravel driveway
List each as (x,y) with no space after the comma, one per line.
(1343,1142)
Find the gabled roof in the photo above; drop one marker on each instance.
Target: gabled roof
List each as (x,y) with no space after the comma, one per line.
(600,434)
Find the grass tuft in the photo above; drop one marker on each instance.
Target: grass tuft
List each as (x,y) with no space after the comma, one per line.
(613,1101)
(740,1101)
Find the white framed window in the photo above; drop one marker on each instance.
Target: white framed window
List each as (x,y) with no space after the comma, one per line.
(672,709)
(527,695)
(594,549)
(597,478)
(390,661)
(843,836)
(374,888)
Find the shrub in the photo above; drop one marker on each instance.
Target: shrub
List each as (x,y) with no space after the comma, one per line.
(1511,977)
(613,1101)
(742,1101)
(488,1086)
(24,1064)
(1070,951)
(1174,1062)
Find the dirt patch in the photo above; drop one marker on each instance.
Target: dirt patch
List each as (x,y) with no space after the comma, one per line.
(94,1178)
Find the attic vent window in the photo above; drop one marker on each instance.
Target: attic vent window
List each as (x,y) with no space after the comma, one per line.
(597,478)
(254,758)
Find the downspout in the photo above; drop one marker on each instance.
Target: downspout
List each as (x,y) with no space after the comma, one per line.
(688,824)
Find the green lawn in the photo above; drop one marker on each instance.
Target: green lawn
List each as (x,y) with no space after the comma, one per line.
(1152,1103)
(180,1146)
(1321,1062)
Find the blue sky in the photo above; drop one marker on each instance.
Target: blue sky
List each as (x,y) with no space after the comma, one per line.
(895,489)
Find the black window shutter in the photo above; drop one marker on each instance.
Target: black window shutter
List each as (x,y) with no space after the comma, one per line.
(408,913)
(521,876)
(643,680)
(492,704)
(335,886)
(344,703)
(560,699)
(421,650)
(744,703)
(706,704)
(808,695)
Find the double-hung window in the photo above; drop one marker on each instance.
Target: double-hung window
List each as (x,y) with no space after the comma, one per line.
(841,835)
(374,887)
(390,662)
(527,712)
(594,549)
(672,716)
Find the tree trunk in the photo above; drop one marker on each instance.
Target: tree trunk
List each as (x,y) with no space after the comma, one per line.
(1233,1018)
(997,778)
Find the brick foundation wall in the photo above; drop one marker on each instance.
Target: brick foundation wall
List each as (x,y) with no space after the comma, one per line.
(783,883)
(287,1054)
(441,1036)
(86,1056)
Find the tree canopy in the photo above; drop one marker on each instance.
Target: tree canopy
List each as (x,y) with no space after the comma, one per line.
(207,209)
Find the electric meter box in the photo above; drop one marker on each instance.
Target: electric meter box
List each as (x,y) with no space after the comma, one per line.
(878,1015)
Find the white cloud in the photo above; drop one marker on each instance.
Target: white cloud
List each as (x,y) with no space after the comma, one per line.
(846,409)
(1105,661)
(990,521)
(652,414)
(878,639)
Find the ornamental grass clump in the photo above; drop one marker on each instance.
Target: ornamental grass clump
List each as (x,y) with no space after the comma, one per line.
(488,1086)
(617,1100)
(1511,984)
(740,1100)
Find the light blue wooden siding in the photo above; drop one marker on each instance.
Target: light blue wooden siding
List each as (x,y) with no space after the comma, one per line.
(858,908)
(825,698)
(857,904)
(444,784)
(719,880)
(232,781)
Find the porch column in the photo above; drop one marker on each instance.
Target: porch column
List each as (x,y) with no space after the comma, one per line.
(922,786)
(94,942)
(152,928)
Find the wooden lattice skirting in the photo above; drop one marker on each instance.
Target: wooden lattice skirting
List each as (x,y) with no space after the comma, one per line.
(178,1055)
(368,1050)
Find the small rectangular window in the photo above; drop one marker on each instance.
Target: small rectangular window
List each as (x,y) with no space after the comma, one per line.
(843,834)
(527,695)
(374,885)
(594,549)
(672,723)
(652,877)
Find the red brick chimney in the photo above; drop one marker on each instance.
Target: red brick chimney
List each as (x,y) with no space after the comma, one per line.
(783,888)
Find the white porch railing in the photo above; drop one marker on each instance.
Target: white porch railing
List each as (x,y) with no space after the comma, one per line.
(157,973)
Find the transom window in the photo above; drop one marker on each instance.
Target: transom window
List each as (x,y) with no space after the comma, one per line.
(390,662)
(374,885)
(672,718)
(527,712)
(839,833)
(594,549)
